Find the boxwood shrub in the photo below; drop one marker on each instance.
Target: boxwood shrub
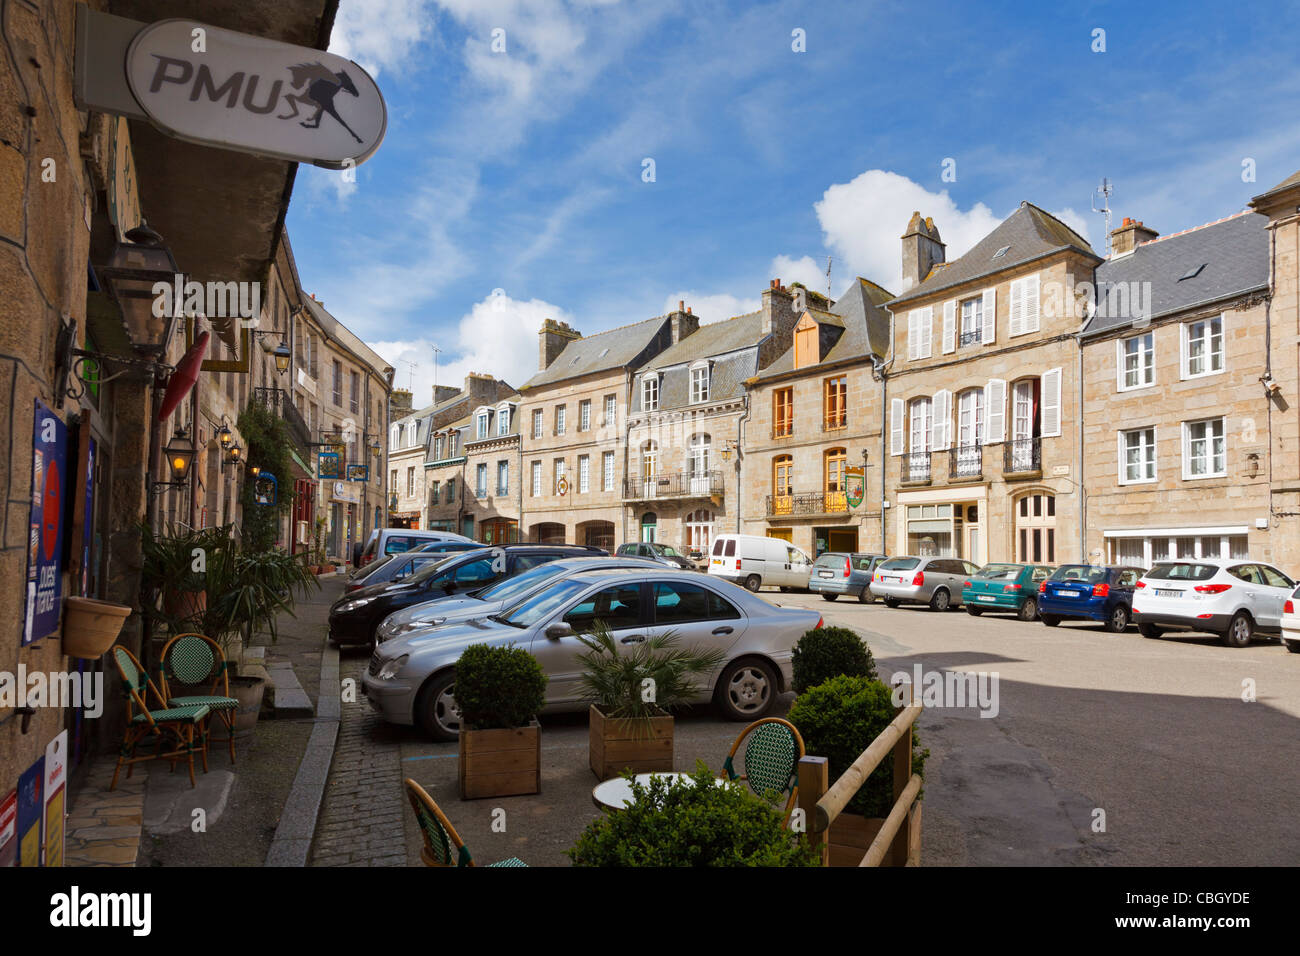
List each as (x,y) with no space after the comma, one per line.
(498,687)
(839,719)
(826,652)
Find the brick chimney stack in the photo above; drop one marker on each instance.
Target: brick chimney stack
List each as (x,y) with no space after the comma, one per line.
(1127,237)
(922,249)
(399,403)
(682,322)
(552,339)
(779,320)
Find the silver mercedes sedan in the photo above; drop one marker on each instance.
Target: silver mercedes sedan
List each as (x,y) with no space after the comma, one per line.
(411,678)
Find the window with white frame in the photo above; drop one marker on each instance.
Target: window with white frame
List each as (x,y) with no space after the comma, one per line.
(503,477)
(559,475)
(503,420)
(970,419)
(920,415)
(584,415)
(537,423)
(410,482)
(480,480)
(1205,449)
(1137,361)
(699,384)
(483,419)
(560,417)
(584,473)
(1203,347)
(537,479)
(650,393)
(1137,456)
(611,411)
(972,321)
(437,448)
(607,471)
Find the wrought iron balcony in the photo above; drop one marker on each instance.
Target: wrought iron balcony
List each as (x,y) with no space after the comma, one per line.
(966,461)
(783,428)
(281,402)
(1022,456)
(680,485)
(973,337)
(915,467)
(807,503)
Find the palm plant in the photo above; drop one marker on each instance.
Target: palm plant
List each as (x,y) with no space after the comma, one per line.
(646,681)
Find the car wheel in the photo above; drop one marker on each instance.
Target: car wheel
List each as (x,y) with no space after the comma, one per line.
(1241,630)
(940,600)
(974,611)
(1117,623)
(866,597)
(1149,630)
(1051,620)
(747,690)
(435,707)
(891,602)
(825,596)
(1292,646)
(753,582)
(1028,610)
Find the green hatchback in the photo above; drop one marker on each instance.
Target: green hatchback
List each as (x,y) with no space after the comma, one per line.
(1005,587)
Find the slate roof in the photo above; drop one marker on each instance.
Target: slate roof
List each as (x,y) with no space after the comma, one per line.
(733,346)
(1028,233)
(1233,251)
(616,348)
(346,337)
(860,313)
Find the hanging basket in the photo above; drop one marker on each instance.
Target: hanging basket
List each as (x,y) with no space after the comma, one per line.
(90,627)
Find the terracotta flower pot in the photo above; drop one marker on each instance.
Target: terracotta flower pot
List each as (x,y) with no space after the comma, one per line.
(248,691)
(90,627)
(183,605)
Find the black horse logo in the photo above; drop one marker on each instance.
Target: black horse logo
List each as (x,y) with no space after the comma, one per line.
(317,86)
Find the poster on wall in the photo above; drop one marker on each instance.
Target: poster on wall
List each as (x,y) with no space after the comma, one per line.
(56,778)
(9,830)
(45,537)
(30,806)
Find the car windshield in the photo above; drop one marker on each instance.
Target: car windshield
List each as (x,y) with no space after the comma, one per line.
(520,584)
(532,609)
(666,550)
(1083,573)
(374,566)
(1182,572)
(830,560)
(998,572)
(433,567)
(900,564)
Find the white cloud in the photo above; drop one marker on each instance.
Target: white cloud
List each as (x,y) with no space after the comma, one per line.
(711,307)
(380,34)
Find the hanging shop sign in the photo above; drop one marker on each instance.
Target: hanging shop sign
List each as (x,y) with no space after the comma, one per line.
(855,486)
(45,533)
(266,489)
(329,465)
(358,472)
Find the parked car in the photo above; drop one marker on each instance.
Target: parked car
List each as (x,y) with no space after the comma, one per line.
(1092,592)
(1005,587)
(839,572)
(931,580)
(354,618)
(384,541)
(452,609)
(1236,599)
(399,567)
(661,553)
(755,562)
(412,679)
(1291,622)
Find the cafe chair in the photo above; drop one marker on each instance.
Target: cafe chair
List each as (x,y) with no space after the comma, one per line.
(179,723)
(773,748)
(194,672)
(442,844)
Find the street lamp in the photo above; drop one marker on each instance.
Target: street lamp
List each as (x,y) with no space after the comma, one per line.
(133,269)
(282,356)
(225,437)
(232,454)
(180,458)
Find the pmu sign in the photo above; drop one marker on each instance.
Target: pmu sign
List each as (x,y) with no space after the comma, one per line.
(208,85)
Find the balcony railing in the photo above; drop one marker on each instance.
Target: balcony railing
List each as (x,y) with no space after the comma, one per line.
(973,337)
(679,485)
(281,402)
(783,428)
(1021,456)
(807,503)
(966,461)
(915,467)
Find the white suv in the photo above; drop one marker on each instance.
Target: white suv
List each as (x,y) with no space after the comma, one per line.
(1234,599)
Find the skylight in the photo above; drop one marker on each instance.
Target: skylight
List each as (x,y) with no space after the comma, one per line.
(603,353)
(1193,272)
(1001,252)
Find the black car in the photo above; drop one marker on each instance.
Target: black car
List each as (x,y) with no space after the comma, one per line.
(356,616)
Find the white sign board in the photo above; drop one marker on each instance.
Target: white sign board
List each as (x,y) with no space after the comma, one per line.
(216,87)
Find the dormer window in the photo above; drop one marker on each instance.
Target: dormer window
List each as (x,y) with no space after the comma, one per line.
(503,420)
(484,421)
(650,392)
(438,445)
(700,384)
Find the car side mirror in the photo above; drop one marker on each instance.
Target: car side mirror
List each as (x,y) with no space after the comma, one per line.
(559,630)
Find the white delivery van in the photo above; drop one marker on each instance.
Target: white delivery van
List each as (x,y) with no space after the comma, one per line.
(756,562)
(386,541)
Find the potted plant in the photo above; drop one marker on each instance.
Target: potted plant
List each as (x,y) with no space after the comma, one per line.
(826,652)
(838,719)
(175,568)
(499,691)
(90,627)
(692,821)
(631,691)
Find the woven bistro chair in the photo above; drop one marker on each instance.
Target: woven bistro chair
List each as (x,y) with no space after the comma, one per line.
(773,748)
(442,844)
(193,662)
(163,721)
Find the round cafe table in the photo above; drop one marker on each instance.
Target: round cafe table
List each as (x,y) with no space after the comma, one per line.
(616,794)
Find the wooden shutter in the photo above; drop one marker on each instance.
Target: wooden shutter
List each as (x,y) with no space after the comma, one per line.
(949,326)
(913,325)
(896,426)
(990,320)
(927,330)
(1052,403)
(1017,307)
(941,424)
(1031,305)
(995,400)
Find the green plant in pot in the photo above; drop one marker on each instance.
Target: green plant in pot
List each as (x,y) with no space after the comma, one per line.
(499,692)
(631,690)
(838,719)
(174,571)
(826,652)
(691,822)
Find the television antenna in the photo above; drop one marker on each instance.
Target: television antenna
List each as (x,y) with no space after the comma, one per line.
(829,260)
(1104,190)
(410,373)
(436,350)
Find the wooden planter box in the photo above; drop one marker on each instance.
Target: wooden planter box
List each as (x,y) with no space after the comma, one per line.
(642,746)
(501,763)
(851,834)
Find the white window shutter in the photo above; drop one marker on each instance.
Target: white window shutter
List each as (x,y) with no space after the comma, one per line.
(913,331)
(1119,365)
(941,424)
(1029,321)
(1017,307)
(990,316)
(950,326)
(1052,403)
(995,400)
(896,426)
(927,330)
(1182,350)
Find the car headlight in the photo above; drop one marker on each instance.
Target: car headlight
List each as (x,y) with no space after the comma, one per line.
(391,668)
(353,604)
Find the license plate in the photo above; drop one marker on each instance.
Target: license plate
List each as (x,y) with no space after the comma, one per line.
(717,561)
(1160,593)
(986,597)
(1070,593)
(826,574)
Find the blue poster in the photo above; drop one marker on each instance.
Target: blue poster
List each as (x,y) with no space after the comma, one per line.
(30,808)
(45,536)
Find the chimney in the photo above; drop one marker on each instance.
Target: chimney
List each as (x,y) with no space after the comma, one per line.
(922,249)
(399,403)
(481,389)
(444,393)
(779,316)
(553,337)
(682,322)
(1128,235)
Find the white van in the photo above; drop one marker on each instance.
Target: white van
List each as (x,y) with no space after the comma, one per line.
(386,541)
(757,562)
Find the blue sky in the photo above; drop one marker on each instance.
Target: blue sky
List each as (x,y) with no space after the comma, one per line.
(510,185)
